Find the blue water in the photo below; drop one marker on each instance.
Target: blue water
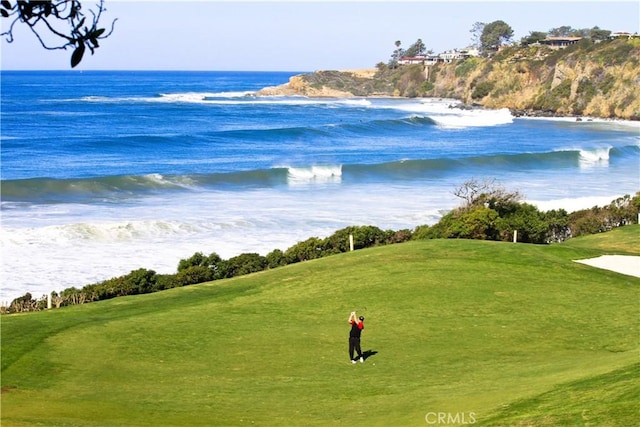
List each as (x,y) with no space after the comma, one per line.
(105,172)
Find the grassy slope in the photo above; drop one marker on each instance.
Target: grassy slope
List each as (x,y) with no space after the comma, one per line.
(516,334)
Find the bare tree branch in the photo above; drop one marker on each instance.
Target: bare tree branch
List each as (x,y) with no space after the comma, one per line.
(63,20)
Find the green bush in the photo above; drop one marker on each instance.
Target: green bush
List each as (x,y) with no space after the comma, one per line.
(140,281)
(245,264)
(192,275)
(311,248)
(482,89)
(618,52)
(464,68)
(363,237)
(477,222)
(563,90)
(275,259)
(421,232)
(607,83)
(426,87)
(528,221)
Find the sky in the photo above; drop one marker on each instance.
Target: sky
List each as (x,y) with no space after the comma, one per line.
(299,35)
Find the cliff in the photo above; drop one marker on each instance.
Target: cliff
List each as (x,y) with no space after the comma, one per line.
(586,79)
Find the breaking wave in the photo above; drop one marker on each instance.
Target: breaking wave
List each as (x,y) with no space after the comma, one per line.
(444,113)
(117,188)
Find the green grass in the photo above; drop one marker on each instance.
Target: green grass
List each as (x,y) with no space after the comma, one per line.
(512,334)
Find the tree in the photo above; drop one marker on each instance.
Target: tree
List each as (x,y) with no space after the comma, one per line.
(487,192)
(23,303)
(57,24)
(533,37)
(476,33)
(396,55)
(563,31)
(416,49)
(381,66)
(495,35)
(597,34)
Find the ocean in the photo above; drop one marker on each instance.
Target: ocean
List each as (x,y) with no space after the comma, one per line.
(104,172)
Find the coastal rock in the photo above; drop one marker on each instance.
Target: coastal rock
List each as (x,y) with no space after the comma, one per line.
(302,85)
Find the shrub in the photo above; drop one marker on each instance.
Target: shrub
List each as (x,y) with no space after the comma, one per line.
(140,281)
(607,83)
(557,226)
(528,221)
(196,259)
(464,68)
(476,222)
(398,236)
(275,259)
(311,248)
(563,90)
(192,275)
(421,232)
(482,89)
(363,237)
(245,264)
(426,87)
(165,281)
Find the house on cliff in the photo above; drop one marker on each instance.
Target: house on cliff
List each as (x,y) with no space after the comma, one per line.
(447,56)
(420,59)
(560,42)
(455,54)
(623,35)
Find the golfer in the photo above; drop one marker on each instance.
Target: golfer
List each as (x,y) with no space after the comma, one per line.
(357,325)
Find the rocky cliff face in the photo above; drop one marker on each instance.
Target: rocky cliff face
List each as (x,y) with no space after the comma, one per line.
(591,80)
(599,80)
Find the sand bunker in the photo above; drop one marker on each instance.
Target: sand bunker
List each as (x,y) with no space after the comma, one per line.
(624,264)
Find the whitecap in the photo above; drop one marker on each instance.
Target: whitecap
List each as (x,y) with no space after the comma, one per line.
(595,157)
(314,175)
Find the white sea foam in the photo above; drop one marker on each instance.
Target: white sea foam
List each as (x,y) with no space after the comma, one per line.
(200,97)
(228,98)
(474,118)
(591,121)
(314,175)
(595,157)
(99,242)
(572,204)
(159,180)
(357,102)
(450,114)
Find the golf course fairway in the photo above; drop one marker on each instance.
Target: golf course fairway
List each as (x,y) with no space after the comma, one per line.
(457,332)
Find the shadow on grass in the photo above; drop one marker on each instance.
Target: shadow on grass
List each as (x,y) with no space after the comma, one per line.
(368,353)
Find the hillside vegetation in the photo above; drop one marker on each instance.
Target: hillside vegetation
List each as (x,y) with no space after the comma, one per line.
(590,79)
(494,332)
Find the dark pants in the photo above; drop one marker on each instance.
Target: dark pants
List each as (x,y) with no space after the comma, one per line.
(354,344)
